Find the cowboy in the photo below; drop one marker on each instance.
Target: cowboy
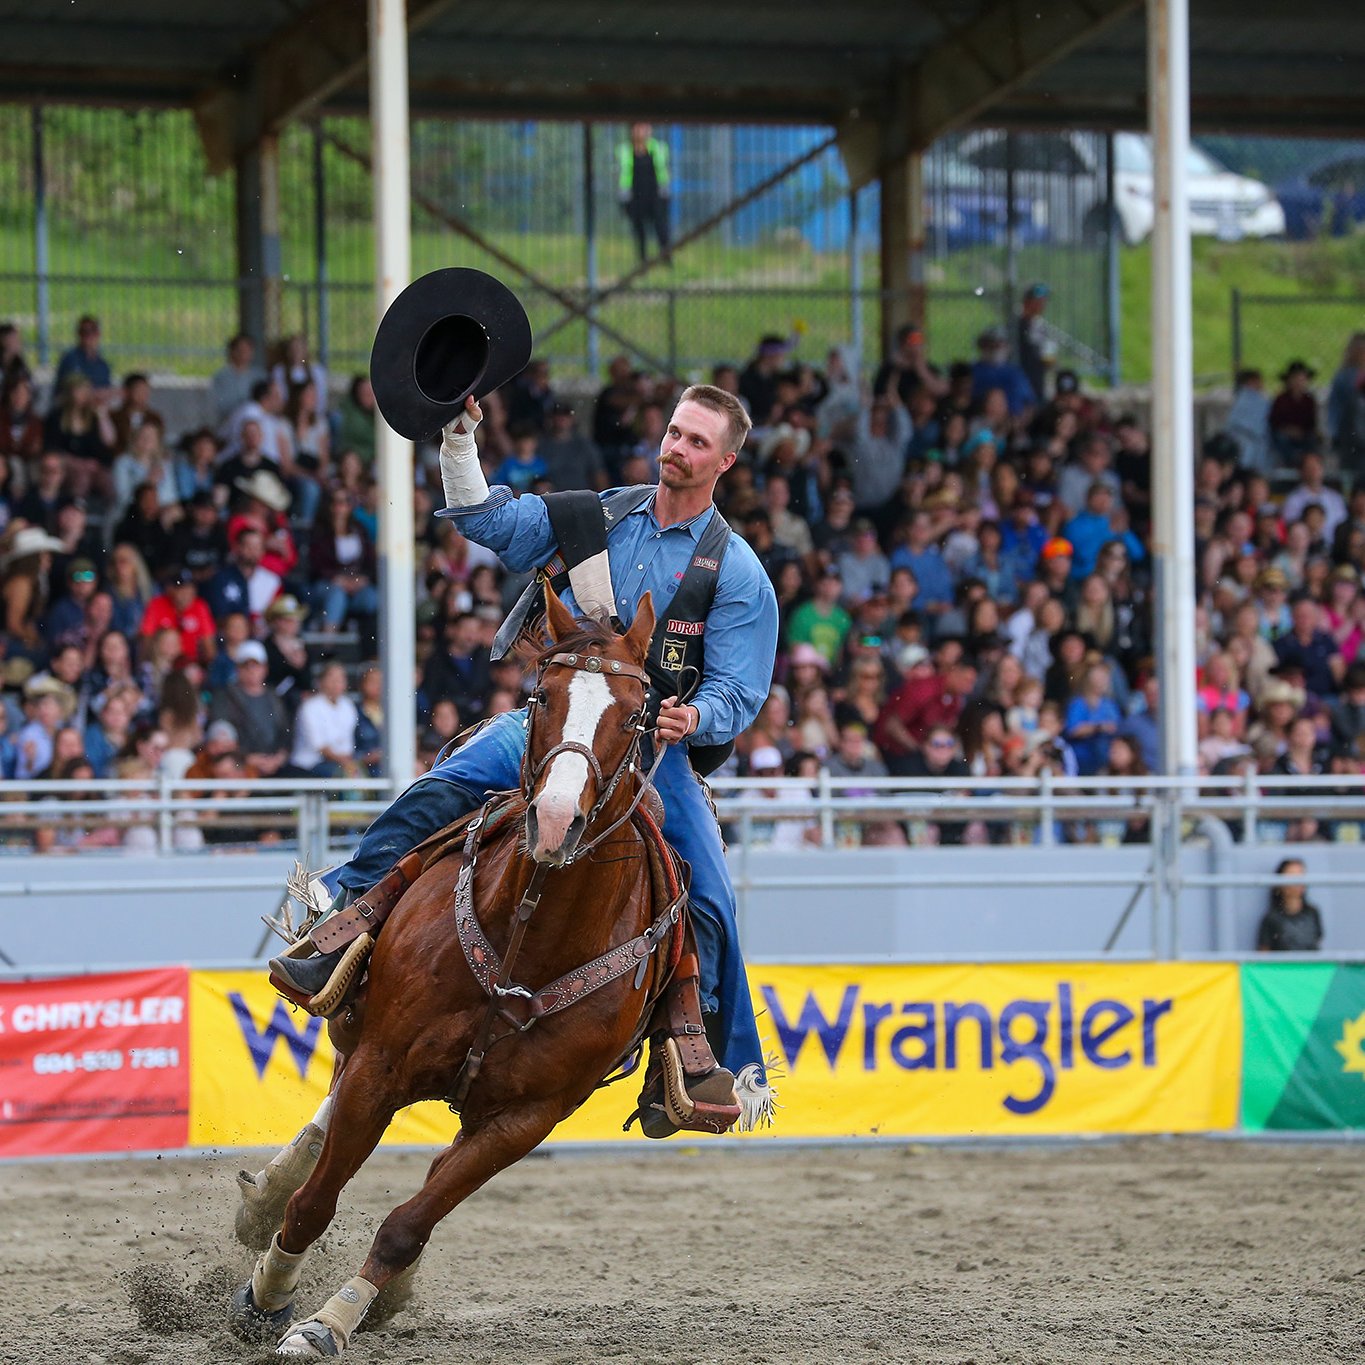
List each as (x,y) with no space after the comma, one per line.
(650,548)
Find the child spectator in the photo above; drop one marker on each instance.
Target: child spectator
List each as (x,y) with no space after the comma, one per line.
(524,466)
(1291,923)
(1092,719)
(48,703)
(1023,717)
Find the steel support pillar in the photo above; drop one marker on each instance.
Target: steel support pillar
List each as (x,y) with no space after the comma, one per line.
(393,455)
(1168,84)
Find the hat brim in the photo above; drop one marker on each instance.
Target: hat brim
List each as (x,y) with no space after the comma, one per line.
(48,546)
(273,494)
(449,334)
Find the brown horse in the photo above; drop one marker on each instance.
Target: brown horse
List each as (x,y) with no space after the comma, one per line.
(422,1012)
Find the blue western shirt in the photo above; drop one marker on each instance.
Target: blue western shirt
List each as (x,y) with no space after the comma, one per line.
(741,630)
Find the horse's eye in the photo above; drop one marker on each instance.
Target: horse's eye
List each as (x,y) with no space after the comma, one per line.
(537,697)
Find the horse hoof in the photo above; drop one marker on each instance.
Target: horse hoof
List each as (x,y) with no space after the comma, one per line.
(309,1341)
(393,1298)
(247,1322)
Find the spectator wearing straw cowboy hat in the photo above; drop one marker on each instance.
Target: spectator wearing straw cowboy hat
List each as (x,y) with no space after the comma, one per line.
(290,667)
(263,502)
(25,567)
(250,454)
(48,704)
(1280,701)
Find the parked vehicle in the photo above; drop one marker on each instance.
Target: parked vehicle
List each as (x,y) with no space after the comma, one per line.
(1328,198)
(963,211)
(1222,204)
(1067,170)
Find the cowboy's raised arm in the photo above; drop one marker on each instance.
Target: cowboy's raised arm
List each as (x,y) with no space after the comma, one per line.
(516,529)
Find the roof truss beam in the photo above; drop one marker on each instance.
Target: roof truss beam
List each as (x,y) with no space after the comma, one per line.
(325,47)
(972,67)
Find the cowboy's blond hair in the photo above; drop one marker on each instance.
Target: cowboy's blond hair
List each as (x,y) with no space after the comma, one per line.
(729,407)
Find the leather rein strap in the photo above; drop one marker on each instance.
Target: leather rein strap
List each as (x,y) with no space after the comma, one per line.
(613,668)
(512,1004)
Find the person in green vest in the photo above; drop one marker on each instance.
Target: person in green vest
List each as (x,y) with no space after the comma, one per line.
(643,186)
(822,622)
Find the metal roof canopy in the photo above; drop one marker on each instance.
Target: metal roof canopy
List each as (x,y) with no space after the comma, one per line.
(891,77)
(925,65)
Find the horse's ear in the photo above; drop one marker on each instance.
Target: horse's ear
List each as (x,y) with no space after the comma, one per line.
(641,630)
(558,618)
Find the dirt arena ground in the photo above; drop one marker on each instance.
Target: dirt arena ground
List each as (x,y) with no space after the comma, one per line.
(1150,1250)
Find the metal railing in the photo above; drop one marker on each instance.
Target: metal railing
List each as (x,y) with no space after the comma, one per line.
(202,835)
(321,815)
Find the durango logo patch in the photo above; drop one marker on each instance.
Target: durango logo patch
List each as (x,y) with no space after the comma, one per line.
(685,627)
(701,562)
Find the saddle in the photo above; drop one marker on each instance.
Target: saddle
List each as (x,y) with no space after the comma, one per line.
(684,1087)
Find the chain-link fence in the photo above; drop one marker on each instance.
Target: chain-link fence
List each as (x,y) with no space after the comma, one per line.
(1268,331)
(113,212)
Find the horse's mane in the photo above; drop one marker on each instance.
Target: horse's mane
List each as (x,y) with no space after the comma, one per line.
(589,637)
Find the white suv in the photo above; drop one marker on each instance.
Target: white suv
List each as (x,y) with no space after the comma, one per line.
(1222,204)
(1065,172)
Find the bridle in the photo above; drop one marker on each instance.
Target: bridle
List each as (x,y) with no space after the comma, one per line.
(606,787)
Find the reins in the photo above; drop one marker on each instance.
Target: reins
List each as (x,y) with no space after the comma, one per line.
(594,663)
(498,981)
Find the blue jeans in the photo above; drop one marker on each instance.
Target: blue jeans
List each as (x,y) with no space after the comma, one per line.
(338,603)
(491,761)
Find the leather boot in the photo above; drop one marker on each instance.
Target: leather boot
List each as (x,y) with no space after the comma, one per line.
(308,975)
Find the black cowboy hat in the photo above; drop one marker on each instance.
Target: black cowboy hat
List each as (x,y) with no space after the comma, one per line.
(450,334)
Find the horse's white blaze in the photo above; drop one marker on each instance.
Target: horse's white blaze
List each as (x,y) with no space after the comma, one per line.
(567,775)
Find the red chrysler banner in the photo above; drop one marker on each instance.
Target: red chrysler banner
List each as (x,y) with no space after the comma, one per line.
(94,1063)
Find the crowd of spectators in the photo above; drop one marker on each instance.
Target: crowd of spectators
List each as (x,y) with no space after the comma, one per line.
(961,553)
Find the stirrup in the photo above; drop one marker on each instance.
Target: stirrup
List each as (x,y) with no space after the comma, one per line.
(673,1102)
(700,1104)
(338,986)
(333,995)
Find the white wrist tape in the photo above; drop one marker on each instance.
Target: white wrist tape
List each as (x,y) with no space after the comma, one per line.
(461,475)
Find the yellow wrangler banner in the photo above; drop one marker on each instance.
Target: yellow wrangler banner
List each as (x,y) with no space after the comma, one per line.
(996,1049)
(868,1050)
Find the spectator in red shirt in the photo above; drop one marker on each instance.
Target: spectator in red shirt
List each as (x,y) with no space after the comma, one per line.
(180,608)
(921,704)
